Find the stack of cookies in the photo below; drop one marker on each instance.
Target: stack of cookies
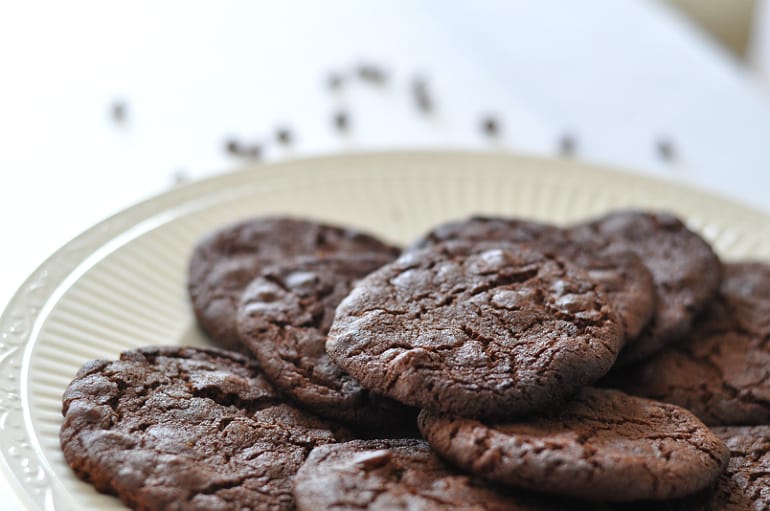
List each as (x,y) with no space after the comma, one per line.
(495,363)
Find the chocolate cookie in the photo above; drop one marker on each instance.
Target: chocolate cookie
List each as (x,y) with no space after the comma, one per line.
(185,428)
(746,482)
(743,486)
(625,278)
(476,329)
(284,317)
(746,286)
(722,372)
(490,228)
(225,261)
(603,445)
(397,475)
(684,268)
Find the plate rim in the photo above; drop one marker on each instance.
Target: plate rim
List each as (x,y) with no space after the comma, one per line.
(23,311)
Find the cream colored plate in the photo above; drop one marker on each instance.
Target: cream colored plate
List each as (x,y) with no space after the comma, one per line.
(121,284)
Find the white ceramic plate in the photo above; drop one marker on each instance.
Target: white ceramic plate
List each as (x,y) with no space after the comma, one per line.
(121,284)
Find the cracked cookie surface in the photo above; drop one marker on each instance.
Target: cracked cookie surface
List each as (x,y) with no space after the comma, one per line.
(284,318)
(392,475)
(743,486)
(185,428)
(226,260)
(476,329)
(625,278)
(722,372)
(684,268)
(603,445)
(746,482)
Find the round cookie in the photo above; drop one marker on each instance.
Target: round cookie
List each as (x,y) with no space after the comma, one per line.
(225,261)
(392,475)
(186,428)
(722,371)
(603,445)
(484,330)
(743,486)
(491,228)
(684,268)
(626,280)
(746,286)
(746,481)
(283,319)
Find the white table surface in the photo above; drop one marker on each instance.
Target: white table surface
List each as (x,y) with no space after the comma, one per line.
(619,76)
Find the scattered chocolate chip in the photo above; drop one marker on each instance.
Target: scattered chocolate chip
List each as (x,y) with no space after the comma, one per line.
(236,148)
(341,121)
(371,73)
(567,145)
(283,136)
(421,95)
(666,149)
(490,126)
(118,112)
(232,146)
(335,81)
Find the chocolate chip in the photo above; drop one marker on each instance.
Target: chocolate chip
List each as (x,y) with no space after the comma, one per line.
(335,81)
(567,145)
(118,112)
(421,95)
(666,149)
(490,126)
(341,121)
(236,148)
(232,146)
(371,73)
(283,136)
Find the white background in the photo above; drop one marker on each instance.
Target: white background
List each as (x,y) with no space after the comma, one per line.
(618,76)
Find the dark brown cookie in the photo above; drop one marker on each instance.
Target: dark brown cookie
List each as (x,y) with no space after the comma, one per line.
(603,445)
(684,268)
(746,482)
(225,261)
(625,278)
(184,428)
(476,329)
(284,318)
(490,228)
(397,475)
(746,287)
(743,486)
(722,372)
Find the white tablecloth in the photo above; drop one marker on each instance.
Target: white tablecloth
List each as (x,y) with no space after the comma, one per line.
(621,78)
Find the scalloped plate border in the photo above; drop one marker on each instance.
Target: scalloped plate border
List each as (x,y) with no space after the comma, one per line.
(22,462)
